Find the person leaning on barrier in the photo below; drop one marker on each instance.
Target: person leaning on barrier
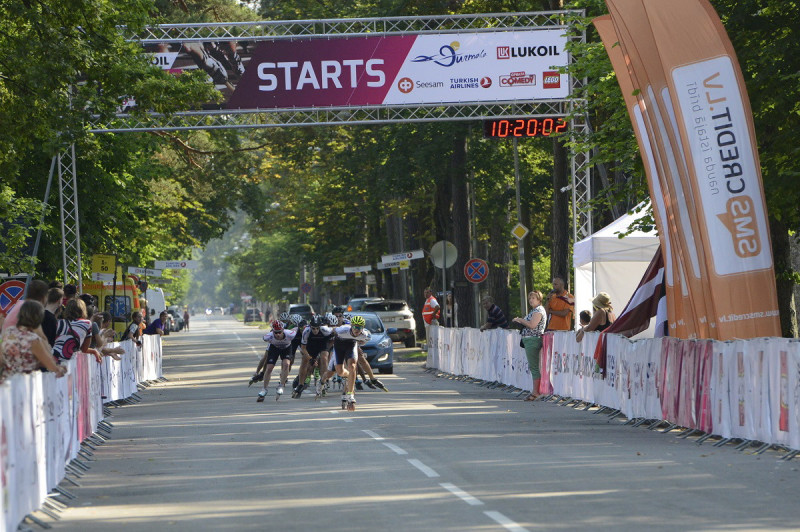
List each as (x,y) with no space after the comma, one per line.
(495,318)
(50,323)
(602,318)
(157,327)
(74,332)
(533,328)
(22,349)
(559,306)
(104,336)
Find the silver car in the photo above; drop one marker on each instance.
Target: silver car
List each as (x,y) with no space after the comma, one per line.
(395,314)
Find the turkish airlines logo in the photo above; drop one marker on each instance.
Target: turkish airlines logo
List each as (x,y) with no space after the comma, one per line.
(551,80)
(405,85)
(486,82)
(503,52)
(517,78)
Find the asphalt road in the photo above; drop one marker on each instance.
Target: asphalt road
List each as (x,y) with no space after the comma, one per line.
(199,453)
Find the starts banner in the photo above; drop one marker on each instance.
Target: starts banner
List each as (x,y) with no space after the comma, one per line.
(378,70)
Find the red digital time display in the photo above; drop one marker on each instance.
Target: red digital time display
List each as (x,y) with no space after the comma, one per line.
(523,127)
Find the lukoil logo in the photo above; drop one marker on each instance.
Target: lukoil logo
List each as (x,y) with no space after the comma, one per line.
(517,78)
(503,52)
(405,85)
(551,80)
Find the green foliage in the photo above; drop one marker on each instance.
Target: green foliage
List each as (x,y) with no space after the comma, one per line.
(19,218)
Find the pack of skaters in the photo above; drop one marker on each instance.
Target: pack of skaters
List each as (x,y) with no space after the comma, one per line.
(315,350)
(362,367)
(280,347)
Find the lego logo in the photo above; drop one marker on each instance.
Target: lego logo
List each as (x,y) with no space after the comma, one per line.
(405,85)
(551,80)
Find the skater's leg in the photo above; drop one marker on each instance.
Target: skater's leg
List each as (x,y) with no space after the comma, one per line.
(304,367)
(350,374)
(268,374)
(364,365)
(286,365)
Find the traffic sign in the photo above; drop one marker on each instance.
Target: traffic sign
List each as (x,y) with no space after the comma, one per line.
(402,264)
(358,269)
(10,292)
(305,288)
(476,270)
(403,255)
(519,231)
(102,276)
(176,264)
(104,264)
(143,271)
(289,289)
(334,278)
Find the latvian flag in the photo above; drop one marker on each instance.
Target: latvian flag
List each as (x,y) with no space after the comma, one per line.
(648,300)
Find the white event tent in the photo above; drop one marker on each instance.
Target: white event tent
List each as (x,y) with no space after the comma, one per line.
(604,262)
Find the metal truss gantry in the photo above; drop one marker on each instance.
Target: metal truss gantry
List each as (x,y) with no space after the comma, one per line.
(319,116)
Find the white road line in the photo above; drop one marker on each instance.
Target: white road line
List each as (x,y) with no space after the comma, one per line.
(505,522)
(237,336)
(372,435)
(430,473)
(346,420)
(395,448)
(461,494)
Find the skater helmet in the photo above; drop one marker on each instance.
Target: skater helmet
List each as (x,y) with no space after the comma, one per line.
(295,319)
(347,317)
(316,321)
(302,324)
(284,317)
(277,326)
(338,310)
(332,320)
(358,321)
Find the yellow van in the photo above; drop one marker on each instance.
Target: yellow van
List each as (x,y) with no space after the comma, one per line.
(121,303)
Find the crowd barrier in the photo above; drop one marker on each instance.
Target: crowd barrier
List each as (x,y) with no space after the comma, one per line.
(746,389)
(43,421)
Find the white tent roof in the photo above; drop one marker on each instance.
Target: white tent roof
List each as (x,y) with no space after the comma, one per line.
(606,246)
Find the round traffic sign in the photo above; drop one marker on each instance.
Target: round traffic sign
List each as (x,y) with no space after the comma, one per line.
(476,270)
(306,288)
(10,292)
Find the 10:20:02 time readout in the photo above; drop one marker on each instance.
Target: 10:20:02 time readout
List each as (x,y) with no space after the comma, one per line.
(523,127)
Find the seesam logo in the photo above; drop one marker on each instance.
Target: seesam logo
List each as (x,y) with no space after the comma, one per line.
(551,80)
(405,85)
(517,78)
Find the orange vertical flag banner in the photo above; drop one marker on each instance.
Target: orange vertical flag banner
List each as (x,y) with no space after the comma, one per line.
(696,103)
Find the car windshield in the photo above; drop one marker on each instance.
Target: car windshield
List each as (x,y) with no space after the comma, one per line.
(386,306)
(299,308)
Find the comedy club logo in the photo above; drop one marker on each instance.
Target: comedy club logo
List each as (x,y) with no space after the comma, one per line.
(551,80)
(517,78)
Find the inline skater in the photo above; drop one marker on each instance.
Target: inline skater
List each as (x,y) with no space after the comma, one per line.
(314,347)
(345,354)
(280,346)
(258,376)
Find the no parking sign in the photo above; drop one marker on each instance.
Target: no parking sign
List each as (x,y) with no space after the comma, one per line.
(476,270)
(10,292)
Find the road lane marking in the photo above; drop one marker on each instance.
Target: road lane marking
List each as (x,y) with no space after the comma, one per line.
(372,435)
(395,448)
(461,494)
(346,420)
(430,473)
(505,522)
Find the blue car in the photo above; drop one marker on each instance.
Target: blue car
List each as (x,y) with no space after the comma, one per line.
(379,350)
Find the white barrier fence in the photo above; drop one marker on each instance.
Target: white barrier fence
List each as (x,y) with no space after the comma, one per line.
(43,421)
(748,389)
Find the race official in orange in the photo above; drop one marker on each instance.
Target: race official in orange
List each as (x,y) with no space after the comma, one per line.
(560,307)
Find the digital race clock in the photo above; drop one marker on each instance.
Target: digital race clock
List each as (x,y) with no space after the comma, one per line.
(523,127)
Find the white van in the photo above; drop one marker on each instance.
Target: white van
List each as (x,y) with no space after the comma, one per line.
(156,303)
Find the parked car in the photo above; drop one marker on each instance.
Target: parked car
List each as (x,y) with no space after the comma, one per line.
(253,314)
(357,303)
(305,311)
(396,314)
(177,320)
(379,350)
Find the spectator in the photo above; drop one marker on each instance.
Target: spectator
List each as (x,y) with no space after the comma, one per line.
(37,291)
(157,327)
(74,332)
(450,311)
(533,328)
(104,336)
(430,312)
(186,319)
(602,317)
(22,349)
(70,292)
(133,332)
(50,322)
(585,317)
(495,319)
(560,307)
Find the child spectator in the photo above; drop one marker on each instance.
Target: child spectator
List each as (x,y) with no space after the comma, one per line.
(74,332)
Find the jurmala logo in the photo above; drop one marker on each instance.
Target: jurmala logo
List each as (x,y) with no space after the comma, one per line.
(551,80)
